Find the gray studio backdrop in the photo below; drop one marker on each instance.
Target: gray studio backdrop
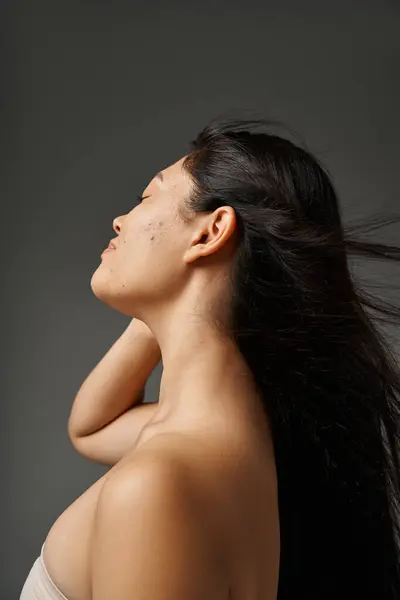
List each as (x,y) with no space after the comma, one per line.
(96,98)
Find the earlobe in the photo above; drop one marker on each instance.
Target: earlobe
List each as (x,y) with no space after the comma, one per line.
(197,248)
(190,256)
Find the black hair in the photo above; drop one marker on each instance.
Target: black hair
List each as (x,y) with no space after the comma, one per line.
(327,374)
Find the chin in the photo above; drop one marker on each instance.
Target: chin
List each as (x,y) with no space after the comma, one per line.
(103,290)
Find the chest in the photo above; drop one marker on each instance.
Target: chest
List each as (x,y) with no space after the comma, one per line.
(66,553)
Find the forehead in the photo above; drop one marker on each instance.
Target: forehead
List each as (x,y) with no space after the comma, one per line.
(171,178)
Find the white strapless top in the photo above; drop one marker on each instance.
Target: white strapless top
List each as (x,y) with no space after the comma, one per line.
(38,585)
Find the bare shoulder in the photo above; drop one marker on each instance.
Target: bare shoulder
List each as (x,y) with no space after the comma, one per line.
(170,465)
(149,518)
(158,464)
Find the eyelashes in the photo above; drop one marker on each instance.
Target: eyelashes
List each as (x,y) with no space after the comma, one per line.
(139,199)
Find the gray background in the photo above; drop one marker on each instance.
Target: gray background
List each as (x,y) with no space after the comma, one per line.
(96,98)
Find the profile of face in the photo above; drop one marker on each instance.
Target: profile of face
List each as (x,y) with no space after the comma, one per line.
(150,266)
(144,263)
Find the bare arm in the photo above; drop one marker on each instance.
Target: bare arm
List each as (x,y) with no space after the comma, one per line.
(108,414)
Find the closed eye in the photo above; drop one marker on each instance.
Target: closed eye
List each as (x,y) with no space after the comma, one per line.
(140,199)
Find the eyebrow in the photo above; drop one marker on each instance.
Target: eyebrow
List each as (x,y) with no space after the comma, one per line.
(160,176)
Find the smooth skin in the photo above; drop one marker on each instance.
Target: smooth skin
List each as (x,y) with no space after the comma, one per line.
(151,538)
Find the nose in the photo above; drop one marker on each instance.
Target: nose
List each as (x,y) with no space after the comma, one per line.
(117,224)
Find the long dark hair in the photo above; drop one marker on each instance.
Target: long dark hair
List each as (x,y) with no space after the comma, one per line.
(327,374)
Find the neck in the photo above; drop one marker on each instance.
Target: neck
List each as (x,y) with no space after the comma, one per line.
(205,379)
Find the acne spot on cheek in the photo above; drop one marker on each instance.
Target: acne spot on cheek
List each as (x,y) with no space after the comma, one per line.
(157,226)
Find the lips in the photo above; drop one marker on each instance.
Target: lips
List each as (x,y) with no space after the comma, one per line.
(111,246)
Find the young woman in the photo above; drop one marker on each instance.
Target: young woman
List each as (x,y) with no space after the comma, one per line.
(269,467)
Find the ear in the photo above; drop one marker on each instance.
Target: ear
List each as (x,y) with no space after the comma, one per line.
(212,233)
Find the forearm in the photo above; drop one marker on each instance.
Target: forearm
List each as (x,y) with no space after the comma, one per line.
(117,382)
